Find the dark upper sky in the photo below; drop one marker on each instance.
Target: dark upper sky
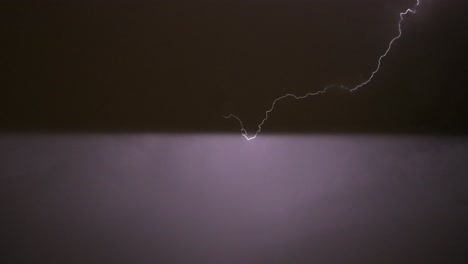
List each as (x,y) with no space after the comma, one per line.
(178,66)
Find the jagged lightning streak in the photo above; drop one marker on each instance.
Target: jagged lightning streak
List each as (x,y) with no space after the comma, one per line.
(324,90)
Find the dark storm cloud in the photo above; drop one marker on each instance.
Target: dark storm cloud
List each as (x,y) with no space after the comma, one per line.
(222,199)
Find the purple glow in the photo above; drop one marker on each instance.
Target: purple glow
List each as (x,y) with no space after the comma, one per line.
(218,199)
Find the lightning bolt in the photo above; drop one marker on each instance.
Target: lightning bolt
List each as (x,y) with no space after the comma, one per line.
(245,134)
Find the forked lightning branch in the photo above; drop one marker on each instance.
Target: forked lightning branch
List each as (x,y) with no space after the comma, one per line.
(326,88)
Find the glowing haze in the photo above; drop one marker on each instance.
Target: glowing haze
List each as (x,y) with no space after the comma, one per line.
(326,88)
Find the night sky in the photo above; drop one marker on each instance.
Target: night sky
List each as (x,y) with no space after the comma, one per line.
(114,149)
(179,66)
